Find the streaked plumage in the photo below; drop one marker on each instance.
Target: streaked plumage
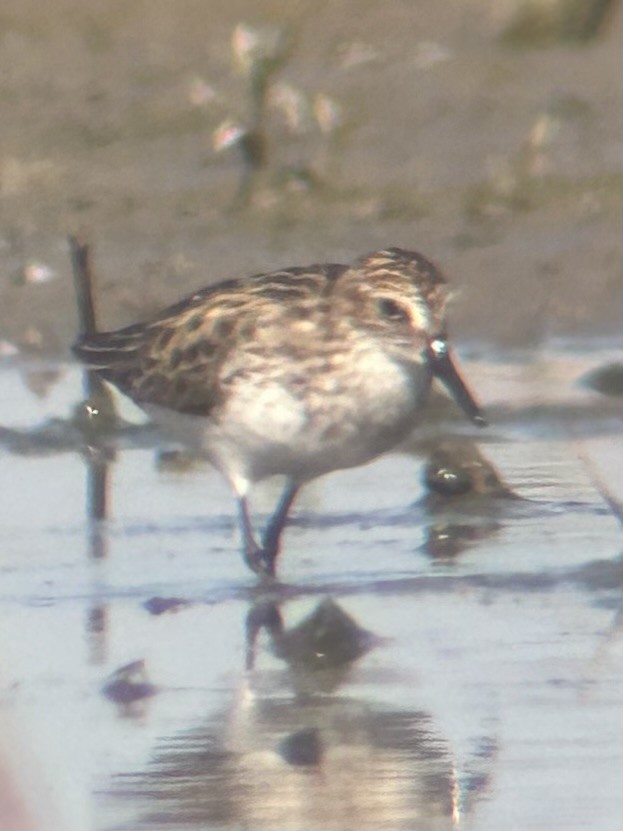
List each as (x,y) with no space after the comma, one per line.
(295,372)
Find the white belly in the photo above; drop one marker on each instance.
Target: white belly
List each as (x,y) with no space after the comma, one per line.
(324,422)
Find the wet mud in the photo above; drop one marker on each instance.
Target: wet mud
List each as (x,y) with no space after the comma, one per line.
(443,644)
(443,647)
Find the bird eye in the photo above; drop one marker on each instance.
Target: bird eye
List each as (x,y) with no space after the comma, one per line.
(391,310)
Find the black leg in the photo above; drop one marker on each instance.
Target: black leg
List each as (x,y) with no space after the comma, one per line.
(276,524)
(261,558)
(251,551)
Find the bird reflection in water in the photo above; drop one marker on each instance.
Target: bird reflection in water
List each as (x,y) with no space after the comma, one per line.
(302,748)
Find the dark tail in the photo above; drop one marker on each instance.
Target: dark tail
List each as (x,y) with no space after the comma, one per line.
(102,350)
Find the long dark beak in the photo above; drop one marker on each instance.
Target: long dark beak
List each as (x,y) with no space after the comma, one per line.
(444,369)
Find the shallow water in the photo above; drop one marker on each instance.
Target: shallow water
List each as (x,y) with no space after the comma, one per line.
(466,672)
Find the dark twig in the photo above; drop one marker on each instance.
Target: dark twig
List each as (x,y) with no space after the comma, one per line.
(83,281)
(97,393)
(96,415)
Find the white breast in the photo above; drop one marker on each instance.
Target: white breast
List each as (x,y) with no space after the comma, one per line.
(352,409)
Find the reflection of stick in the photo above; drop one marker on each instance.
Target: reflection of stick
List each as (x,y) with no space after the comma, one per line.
(83,281)
(98,485)
(96,626)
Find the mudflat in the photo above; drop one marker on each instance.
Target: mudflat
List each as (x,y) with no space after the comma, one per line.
(384,124)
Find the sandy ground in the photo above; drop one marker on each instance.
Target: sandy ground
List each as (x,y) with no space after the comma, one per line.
(501,163)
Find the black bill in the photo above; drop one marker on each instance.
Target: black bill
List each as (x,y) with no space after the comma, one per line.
(444,369)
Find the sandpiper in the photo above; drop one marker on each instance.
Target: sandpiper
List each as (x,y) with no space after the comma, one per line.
(295,373)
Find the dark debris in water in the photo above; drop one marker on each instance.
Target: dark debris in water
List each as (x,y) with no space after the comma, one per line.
(161,605)
(446,540)
(129,684)
(608,379)
(457,468)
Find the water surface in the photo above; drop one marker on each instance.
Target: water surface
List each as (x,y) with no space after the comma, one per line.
(421,663)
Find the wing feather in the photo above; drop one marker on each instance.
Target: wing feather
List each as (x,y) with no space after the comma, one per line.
(175,359)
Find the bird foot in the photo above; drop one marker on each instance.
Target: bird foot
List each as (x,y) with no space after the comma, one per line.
(261,560)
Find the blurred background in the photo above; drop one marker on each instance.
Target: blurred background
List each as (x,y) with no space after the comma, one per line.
(200,140)
(445,646)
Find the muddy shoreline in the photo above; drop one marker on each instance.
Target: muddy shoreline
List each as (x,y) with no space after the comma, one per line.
(501,163)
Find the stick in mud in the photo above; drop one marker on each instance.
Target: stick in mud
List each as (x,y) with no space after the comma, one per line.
(83,280)
(96,415)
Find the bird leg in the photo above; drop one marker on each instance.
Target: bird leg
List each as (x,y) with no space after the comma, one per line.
(251,551)
(262,615)
(261,558)
(272,533)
